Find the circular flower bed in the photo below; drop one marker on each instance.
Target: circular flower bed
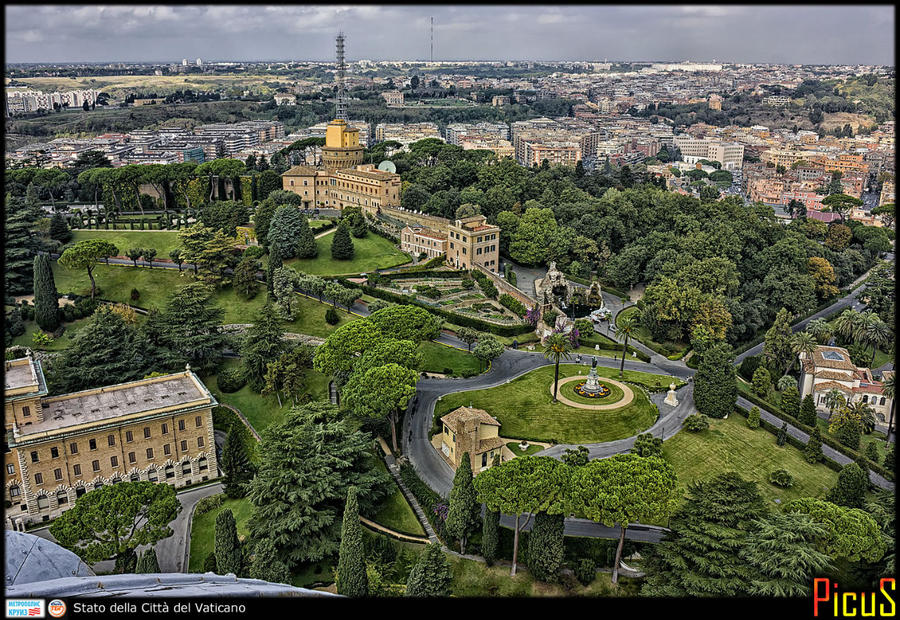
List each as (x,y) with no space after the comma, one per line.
(603,393)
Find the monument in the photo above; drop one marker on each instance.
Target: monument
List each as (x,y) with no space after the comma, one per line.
(670,396)
(591,387)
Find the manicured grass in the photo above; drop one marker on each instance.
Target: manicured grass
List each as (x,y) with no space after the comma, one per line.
(642,334)
(58,344)
(163,241)
(371,252)
(308,319)
(531,449)
(730,445)
(615,394)
(395,512)
(116,282)
(439,357)
(525,411)
(877,438)
(203,530)
(882,358)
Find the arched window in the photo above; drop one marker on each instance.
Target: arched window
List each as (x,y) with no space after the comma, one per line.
(882,400)
(135,478)
(865,398)
(43,502)
(14,491)
(186,467)
(153,475)
(62,498)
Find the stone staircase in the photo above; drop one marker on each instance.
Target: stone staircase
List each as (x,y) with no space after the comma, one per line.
(420,514)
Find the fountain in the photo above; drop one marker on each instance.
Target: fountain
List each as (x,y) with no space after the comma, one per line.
(591,387)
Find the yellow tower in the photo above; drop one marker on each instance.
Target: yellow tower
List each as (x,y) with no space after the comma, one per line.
(342,148)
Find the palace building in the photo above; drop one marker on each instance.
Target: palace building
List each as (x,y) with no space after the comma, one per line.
(58,448)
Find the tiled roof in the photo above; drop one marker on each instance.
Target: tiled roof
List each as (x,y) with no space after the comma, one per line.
(823,362)
(833,374)
(300,171)
(491,443)
(459,416)
(829,385)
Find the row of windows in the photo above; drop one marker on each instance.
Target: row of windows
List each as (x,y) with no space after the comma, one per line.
(113,461)
(111,439)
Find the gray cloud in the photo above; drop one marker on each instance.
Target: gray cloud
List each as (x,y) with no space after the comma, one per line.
(789,34)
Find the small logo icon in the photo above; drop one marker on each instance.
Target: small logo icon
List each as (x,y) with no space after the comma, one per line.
(56,608)
(25,607)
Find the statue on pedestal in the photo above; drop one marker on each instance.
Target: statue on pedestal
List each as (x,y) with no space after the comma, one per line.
(670,396)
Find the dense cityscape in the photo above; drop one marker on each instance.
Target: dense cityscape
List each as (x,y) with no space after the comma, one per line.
(449,328)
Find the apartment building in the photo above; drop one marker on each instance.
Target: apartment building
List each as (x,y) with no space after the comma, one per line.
(472,241)
(729,154)
(416,240)
(887,193)
(58,448)
(456,133)
(501,148)
(236,137)
(393,97)
(361,186)
(778,101)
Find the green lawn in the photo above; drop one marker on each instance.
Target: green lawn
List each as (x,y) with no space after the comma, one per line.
(730,445)
(163,241)
(58,344)
(642,334)
(438,357)
(615,394)
(395,512)
(116,282)
(525,411)
(531,449)
(203,530)
(371,252)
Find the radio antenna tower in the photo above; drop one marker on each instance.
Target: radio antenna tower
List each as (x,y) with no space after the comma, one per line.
(432,39)
(341,104)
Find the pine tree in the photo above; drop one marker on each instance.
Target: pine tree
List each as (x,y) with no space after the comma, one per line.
(430,577)
(342,244)
(46,299)
(813,450)
(306,242)
(244,280)
(59,229)
(190,328)
(545,546)
(148,562)
(850,489)
(228,548)
(235,465)
(782,435)
(263,343)
(351,569)
(266,565)
(808,411)
(20,242)
(465,509)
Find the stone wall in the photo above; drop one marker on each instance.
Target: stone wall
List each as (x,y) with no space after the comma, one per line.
(505,287)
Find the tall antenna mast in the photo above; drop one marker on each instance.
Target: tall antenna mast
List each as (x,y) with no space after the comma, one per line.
(432,39)
(341,105)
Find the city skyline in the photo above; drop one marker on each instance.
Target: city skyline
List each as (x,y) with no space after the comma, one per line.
(728,34)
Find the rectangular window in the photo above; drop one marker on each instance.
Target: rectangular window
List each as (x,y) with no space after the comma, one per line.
(199,442)
(92,444)
(10,468)
(132,458)
(181,425)
(198,421)
(95,465)
(54,453)
(34,457)
(14,492)
(165,429)
(111,440)
(114,461)
(76,469)
(26,411)
(73,448)
(184,445)
(38,479)
(129,436)
(167,449)
(149,453)
(57,474)
(146,432)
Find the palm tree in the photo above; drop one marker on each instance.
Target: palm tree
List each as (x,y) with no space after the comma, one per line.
(865,414)
(802,342)
(878,334)
(845,325)
(556,347)
(834,400)
(888,390)
(820,330)
(626,325)
(786,382)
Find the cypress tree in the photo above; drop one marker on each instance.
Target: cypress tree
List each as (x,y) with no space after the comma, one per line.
(782,435)
(465,509)
(490,536)
(430,577)
(46,299)
(715,386)
(148,562)
(753,418)
(813,450)
(306,242)
(235,465)
(790,402)
(808,411)
(545,546)
(228,548)
(351,570)
(266,565)
(342,244)
(889,458)
(59,230)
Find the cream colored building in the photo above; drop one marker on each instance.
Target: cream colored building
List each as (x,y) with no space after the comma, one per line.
(363,186)
(416,240)
(830,368)
(58,448)
(472,241)
(470,430)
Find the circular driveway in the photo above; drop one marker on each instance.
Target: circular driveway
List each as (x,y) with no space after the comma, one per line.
(626,399)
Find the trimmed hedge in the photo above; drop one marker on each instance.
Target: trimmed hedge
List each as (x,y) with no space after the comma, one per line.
(209,503)
(422,272)
(516,306)
(426,497)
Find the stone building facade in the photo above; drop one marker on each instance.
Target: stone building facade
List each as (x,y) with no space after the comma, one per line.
(362,186)
(59,448)
(470,430)
(472,241)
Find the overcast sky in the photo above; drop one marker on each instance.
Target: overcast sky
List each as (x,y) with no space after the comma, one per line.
(857,34)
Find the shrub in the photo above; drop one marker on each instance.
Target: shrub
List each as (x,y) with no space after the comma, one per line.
(753,418)
(749,366)
(762,382)
(231,380)
(550,317)
(135,294)
(516,306)
(781,478)
(586,571)
(254,251)
(696,422)
(208,503)
(331,316)
(647,445)
(209,564)
(872,451)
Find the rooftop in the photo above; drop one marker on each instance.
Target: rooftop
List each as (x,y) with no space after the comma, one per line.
(461,415)
(169,392)
(20,373)
(833,357)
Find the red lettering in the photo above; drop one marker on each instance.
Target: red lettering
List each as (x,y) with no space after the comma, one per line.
(816,597)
